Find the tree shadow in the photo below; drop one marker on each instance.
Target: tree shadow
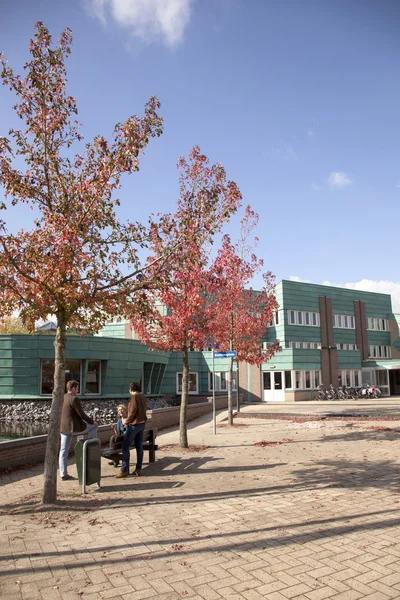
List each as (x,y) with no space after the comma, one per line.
(176,465)
(369,434)
(350,474)
(274,536)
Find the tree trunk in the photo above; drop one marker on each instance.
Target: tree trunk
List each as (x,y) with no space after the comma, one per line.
(183,439)
(230,403)
(53,437)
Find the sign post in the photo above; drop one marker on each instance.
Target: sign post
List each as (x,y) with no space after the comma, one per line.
(237,387)
(214,412)
(227,354)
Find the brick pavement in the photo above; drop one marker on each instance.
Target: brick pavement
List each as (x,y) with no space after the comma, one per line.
(314,516)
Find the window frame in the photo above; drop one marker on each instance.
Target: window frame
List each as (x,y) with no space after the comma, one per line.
(340,321)
(299,317)
(218,381)
(196,391)
(66,361)
(377,324)
(89,360)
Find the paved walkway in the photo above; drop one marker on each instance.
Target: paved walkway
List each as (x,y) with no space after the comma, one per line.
(383,407)
(310,512)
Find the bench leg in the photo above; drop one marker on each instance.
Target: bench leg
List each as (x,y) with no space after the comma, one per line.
(152,455)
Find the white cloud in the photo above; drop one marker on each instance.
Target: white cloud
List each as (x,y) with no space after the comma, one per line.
(369,285)
(149,20)
(315,187)
(339,180)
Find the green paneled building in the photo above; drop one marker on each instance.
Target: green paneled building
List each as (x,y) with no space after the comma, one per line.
(327,335)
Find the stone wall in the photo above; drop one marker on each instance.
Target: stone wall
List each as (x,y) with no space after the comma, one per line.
(31,450)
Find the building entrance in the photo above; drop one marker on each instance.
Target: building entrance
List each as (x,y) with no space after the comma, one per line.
(273,386)
(394,379)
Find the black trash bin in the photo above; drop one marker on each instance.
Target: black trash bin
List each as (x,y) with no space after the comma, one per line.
(88,461)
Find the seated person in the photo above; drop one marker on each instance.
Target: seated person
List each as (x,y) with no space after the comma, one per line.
(119,431)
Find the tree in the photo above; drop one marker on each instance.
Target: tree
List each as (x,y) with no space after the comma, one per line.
(177,314)
(79,262)
(237,315)
(12,324)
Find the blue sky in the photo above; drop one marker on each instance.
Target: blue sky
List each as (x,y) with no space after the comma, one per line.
(299,101)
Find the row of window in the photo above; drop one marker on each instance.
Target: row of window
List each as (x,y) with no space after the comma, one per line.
(298,380)
(380,351)
(304,345)
(310,345)
(73,370)
(377,324)
(346,346)
(302,317)
(343,321)
(350,377)
(221,382)
(310,380)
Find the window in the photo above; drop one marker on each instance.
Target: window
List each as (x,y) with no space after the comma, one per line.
(304,380)
(298,380)
(193,383)
(303,345)
(72,371)
(275,320)
(346,346)
(301,317)
(267,345)
(380,351)
(343,321)
(93,377)
(377,324)
(267,380)
(349,378)
(288,380)
(307,379)
(221,381)
(317,379)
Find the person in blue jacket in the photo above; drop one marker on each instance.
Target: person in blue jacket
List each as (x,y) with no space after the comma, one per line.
(119,431)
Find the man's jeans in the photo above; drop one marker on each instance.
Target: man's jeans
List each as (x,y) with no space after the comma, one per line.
(66,438)
(133,433)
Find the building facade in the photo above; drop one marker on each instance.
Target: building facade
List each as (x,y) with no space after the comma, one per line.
(327,335)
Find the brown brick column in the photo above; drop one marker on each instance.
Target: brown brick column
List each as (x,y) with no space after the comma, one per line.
(361,328)
(329,362)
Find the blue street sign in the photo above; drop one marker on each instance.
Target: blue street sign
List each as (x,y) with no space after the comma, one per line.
(227,354)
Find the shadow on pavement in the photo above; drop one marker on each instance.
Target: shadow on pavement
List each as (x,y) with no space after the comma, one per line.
(266,538)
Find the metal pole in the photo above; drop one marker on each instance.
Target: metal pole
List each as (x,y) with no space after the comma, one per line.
(237,387)
(84,450)
(213,380)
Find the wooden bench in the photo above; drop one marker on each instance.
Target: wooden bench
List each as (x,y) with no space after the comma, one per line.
(149,438)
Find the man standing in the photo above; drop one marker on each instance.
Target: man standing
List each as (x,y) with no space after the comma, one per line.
(73,420)
(135,423)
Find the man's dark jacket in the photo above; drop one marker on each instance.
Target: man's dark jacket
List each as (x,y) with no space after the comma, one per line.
(73,417)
